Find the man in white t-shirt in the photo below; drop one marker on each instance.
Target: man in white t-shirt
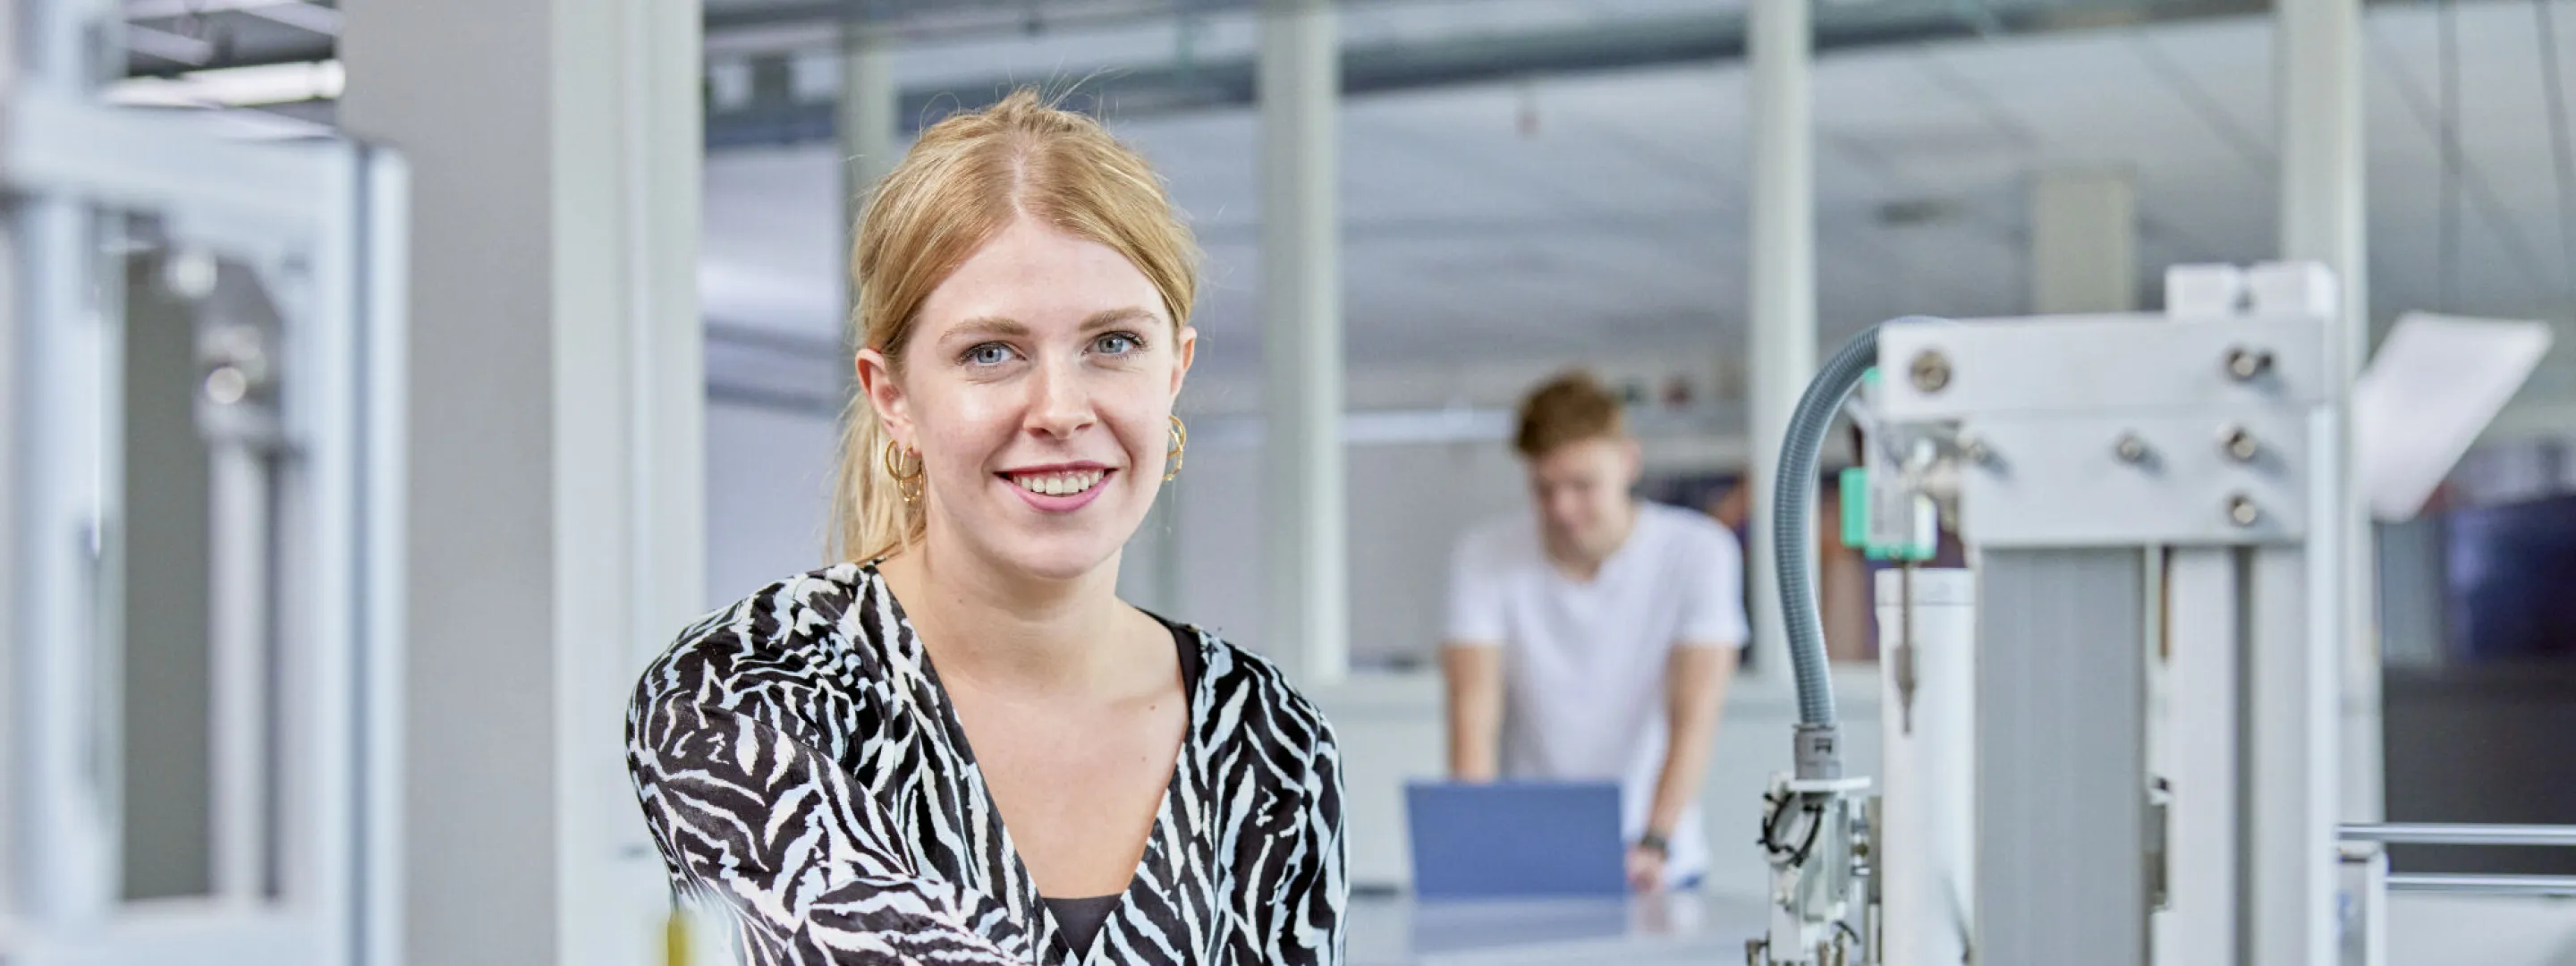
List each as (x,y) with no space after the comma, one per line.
(1595,641)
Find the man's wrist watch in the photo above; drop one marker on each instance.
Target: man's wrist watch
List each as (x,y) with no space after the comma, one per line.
(1654,843)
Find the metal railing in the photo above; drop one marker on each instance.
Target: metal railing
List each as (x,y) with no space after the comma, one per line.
(2556,836)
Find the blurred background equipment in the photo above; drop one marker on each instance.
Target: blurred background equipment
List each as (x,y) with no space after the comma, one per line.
(203,503)
(2132,757)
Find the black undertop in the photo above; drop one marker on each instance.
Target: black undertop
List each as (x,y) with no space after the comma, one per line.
(1081,919)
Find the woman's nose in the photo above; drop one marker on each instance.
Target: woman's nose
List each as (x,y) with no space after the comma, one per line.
(1062,404)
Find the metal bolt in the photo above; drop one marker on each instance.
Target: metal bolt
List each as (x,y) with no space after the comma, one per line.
(2242,511)
(227,385)
(2246,364)
(1931,371)
(2241,445)
(2130,449)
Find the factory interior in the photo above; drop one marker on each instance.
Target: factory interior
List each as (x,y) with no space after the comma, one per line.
(2143,434)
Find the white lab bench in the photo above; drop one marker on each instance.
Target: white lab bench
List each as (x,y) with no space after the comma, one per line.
(1642,931)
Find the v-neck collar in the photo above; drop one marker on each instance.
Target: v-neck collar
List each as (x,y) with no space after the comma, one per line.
(1156,867)
(1601,571)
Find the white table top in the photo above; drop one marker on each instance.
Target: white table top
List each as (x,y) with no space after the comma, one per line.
(1680,928)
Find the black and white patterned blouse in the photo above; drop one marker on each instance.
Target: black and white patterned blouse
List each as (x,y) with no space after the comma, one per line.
(800,764)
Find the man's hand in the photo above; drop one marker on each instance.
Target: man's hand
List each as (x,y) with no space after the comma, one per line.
(1645,869)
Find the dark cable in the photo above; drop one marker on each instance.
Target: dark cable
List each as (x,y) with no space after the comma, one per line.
(1847,931)
(1815,825)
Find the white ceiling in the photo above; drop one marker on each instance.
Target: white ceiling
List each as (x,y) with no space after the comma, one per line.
(1568,216)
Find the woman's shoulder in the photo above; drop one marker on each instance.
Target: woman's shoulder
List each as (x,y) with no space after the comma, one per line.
(1253,700)
(813,630)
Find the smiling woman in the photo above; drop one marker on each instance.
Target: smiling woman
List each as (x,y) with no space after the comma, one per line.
(960,746)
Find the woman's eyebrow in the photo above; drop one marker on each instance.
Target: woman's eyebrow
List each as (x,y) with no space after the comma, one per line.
(990,326)
(987,325)
(1109,317)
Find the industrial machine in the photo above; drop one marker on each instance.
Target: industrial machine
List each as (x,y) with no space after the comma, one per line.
(284,261)
(2113,739)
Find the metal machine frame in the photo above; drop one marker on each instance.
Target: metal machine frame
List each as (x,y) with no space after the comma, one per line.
(2153,507)
(292,255)
(2151,504)
(2152,500)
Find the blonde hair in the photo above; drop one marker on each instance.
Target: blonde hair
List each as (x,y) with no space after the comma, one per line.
(1571,408)
(965,180)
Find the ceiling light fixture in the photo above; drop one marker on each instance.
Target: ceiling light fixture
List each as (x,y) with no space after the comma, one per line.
(319,80)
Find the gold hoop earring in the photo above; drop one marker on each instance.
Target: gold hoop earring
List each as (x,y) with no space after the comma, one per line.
(1179,447)
(908,484)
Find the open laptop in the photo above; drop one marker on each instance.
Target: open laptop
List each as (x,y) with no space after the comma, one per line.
(1516,839)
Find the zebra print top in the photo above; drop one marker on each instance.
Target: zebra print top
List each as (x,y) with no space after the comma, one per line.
(800,764)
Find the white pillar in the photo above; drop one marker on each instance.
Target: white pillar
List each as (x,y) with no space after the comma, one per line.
(2322,220)
(2083,241)
(556,508)
(1304,546)
(867,126)
(1782,278)
(630,413)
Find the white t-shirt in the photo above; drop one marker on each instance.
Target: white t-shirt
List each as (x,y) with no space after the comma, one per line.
(1584,663)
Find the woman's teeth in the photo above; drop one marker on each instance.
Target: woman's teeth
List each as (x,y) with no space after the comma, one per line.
(1058,484)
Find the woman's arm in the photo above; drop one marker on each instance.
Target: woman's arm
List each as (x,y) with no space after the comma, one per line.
(746,813)
(1314,910)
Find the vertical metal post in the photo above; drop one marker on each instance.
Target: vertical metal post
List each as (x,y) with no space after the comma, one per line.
(65,839)
(1781,276)
(1304,545)
(241,636)
(2293,648)
(2364,882)
(383,356)
(2203,726)
(323,717)
(2061,769)
(2323,194)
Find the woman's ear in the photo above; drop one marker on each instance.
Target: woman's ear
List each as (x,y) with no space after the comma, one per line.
(885,395)
(1185,345)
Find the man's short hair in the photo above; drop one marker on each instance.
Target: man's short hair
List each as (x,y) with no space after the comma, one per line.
(1571,408)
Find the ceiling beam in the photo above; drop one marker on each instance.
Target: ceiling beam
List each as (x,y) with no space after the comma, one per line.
(1223,83)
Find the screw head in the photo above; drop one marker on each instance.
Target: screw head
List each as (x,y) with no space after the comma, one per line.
(2130,449)
(1930,371)
(2247,364)
(2242,511)
(2241,445)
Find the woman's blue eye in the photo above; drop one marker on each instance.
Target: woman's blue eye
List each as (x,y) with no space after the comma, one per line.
(989,354)
(1115,343)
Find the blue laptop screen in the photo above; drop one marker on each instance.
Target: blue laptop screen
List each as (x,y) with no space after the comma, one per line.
(1516,839)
